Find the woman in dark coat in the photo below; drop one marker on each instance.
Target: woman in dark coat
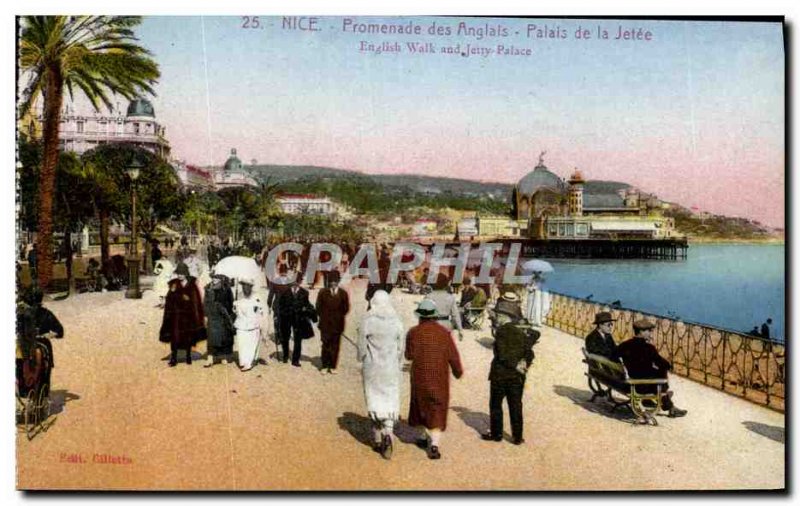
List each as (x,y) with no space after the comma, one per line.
(218,304)
(432,353)
(177,327)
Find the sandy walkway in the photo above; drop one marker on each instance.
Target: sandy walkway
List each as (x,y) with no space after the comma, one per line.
(282,428)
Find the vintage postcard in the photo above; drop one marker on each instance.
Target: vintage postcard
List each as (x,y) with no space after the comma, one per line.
(400,253)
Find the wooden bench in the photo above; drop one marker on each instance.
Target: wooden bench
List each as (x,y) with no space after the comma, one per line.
(607,377)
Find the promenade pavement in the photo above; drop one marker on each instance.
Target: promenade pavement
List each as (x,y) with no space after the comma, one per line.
(278,427)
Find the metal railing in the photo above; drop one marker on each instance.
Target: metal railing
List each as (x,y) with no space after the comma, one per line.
(746,366)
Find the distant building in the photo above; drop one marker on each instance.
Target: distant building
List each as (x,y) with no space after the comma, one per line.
(82,131)
(497,226)
(550,208)
(233,174)
(424,227)
(297,203)
(194,177)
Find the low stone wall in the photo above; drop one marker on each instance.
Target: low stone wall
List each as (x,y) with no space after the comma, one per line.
(742,365)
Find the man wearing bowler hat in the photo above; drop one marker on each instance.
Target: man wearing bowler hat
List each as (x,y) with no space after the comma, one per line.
(600,341)
(642,361)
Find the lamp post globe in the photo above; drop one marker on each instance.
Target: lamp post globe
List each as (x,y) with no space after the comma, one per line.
(133,292)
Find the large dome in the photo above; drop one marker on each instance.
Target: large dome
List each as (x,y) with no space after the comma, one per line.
(540,178)
(141,107)
(233,164)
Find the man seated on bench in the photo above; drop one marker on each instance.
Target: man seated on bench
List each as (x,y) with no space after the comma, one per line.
(600,341)
(642,361)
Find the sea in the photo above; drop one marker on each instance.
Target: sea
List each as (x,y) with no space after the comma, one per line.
(733,286)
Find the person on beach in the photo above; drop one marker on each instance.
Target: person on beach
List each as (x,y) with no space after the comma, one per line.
(600,341)
(218,305)
(249,310)
(332,306)
(513,355)
(449,315)
(295,314)
(432,353)
(177,325)
(642,361)
(380,347)
(508,303)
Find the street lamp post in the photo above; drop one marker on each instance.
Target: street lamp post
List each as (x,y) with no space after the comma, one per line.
(133,291)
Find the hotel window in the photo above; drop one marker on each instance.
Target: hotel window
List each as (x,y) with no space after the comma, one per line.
(570,229)
(80,127)
(553,229)
(136,128)
(562,229)
(581,229)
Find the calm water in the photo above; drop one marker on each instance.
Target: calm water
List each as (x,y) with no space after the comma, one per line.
(735,286)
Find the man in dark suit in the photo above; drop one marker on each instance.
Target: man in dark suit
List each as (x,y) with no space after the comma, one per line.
(600,341)
(333,304)
(294,313)
(642,361)
(513,355)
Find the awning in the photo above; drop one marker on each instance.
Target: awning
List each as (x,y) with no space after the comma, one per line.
(625,226)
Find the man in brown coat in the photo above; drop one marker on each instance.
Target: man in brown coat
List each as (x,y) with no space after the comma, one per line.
(333,305)
(432,353)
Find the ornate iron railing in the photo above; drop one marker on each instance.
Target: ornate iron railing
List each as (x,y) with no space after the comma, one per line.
(739,364)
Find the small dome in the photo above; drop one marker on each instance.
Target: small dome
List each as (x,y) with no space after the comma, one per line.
(233,163)
(140,107)
(577,177)
(540,178)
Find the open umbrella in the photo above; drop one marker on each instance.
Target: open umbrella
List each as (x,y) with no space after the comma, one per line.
(537,265)
(238,268)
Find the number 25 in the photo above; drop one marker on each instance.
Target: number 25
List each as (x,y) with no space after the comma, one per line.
(250,22)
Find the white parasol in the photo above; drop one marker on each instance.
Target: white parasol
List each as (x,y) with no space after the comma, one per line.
(238,267)
(537,265)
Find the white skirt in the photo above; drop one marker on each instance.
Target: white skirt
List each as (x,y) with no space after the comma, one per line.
(247,342)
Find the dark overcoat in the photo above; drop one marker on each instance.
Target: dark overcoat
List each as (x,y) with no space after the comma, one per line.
(601,344)
(332,310)
(295,312)
(432,353)
(511,344)
(218,305)
(178,326)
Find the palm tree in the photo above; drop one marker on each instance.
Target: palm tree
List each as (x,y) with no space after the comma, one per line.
(98,55)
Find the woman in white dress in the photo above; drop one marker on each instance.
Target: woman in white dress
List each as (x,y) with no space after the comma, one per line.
(533,309)
(249,310)
(381,344)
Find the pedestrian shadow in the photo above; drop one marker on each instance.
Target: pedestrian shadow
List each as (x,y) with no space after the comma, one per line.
(59,398)
(477,421)
(196,355)
(600,406)
(315,361)
(486,342)
(769,431)
(360,427)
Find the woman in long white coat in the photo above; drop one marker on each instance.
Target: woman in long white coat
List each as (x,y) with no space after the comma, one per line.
(533,309)
(249,310)
(381,344)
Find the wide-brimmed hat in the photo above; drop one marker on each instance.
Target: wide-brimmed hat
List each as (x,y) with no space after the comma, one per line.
(334,277)
(510,297)
(426,308)
(508,308)
(603,317)
(643,324)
